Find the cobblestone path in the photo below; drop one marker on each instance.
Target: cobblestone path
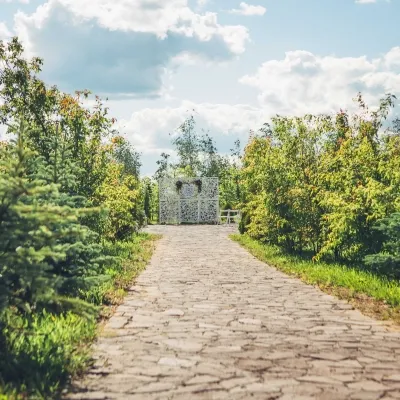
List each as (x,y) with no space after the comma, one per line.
(206,320)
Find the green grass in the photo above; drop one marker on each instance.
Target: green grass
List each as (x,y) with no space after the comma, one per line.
(42,355)
(134,255)
(39,354)
(326,276)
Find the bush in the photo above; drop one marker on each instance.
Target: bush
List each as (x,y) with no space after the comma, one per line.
(319,183)
(119,195)
(387,261)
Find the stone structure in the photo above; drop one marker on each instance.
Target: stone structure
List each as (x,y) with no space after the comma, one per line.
(188,200)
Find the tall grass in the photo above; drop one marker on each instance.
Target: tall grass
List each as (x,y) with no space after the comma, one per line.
(42,352)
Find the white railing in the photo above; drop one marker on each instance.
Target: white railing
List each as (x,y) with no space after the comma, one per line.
(230,216)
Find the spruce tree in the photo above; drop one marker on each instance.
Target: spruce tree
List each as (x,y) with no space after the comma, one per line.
(46,254)
(387,261)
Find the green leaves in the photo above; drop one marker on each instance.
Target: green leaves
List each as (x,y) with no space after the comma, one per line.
(387,261)
(56,183)
(67,184)
(40,353)
(44,249)
(197,156)
(320,183)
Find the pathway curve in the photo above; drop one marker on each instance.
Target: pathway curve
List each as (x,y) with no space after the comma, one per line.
(206,320)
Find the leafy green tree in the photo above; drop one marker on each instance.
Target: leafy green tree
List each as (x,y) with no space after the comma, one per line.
(320,183)
(164,167)
(188,146)
(354,194)
(119,195)
(211,162)
(279,170)
(126,155)
(147,206)
(229,178)
(21,92)
(150,199)
(396,125)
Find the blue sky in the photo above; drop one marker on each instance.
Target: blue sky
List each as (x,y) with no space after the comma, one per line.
(235,63)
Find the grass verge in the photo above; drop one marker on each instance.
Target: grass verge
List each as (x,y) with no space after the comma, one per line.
(39,354)
(373,295)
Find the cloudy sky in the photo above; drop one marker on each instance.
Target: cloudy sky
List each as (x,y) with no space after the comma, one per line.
(234,63)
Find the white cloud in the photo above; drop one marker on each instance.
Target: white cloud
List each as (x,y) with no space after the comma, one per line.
(392,58)
(303,82)
(371,1)
(299,83)
(122,46)
(157,17)
(365,1)
(249,10)
(4,32)
(15,1)
(149,129)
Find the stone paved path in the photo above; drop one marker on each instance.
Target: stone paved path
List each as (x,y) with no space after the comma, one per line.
(206,320)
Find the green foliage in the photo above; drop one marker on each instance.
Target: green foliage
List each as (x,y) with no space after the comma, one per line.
(387,261)
(132,256)
(229,177)
(126,155)
(198,156)
(21,92)
(150,199)
(188,145)
(70,192)
(118,194)
(25,237)
(45,253)
(41,352)
(320,183)
(163,167)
